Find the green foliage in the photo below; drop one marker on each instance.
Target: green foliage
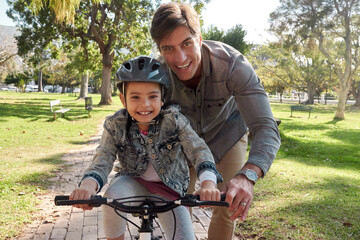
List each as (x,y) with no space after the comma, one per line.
(233,37)
(18,79)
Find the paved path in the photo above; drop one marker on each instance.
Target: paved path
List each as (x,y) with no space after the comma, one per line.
(67,223)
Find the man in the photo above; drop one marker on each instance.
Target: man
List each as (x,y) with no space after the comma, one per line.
(221,95)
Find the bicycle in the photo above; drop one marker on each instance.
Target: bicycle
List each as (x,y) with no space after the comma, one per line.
(146,207)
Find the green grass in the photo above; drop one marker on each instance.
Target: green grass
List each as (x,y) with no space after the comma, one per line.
(31,145)
(312,190)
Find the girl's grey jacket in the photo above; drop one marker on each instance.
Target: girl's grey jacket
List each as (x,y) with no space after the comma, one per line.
(170,145)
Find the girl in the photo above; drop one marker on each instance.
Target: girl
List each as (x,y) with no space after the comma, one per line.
(154,145)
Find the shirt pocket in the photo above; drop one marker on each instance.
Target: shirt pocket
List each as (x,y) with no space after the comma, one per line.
(170,149)
(214,107)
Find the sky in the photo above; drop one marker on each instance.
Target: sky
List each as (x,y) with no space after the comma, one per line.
(253,15)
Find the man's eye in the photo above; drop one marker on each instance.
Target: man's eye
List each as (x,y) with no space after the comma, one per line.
(187,44)
(167,49)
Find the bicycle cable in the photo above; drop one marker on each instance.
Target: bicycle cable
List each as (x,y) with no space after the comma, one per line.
(142,197)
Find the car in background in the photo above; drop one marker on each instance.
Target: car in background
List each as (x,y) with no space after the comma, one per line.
(31,88)
(10,88)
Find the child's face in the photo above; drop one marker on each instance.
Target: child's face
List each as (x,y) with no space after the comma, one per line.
(143,100)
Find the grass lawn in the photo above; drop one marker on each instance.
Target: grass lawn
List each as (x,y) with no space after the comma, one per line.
(312,190)
(31,145)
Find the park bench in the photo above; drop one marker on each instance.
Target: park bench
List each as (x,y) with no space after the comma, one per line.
(301,108)
(57,104)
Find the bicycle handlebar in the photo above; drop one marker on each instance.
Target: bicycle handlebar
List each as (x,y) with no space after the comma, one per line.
(147,206)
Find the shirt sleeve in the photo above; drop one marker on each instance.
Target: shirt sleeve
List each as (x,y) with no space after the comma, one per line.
(207,175)
(255,109)
(103,160)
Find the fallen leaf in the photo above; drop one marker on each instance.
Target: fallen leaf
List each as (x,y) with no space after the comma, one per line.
(347,224)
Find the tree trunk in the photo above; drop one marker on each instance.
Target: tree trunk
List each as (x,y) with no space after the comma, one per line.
(84,85)
(343,95)
(63,89)
(105,88)
(355,90)
(311,93)
(40,85)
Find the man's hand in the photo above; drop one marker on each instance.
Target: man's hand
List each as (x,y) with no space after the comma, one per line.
(239,194)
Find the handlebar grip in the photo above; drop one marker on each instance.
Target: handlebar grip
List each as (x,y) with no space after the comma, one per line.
(222,197)
(95,201)
(213,203)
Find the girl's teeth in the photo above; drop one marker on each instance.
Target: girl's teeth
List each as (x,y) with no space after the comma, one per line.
(144,113)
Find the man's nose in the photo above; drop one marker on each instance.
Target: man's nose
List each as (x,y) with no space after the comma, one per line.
(180,56)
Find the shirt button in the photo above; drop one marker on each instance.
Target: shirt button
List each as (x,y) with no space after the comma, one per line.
(167,179)
(150,141)
(169,147)
(153,156)
(162,170)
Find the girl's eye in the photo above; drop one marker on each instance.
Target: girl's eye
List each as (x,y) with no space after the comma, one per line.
(154,96)
(135,97)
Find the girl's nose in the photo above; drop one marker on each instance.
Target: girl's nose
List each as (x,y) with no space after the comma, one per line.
(145,102)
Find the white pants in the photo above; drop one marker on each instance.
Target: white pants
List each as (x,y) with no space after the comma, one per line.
(115,226)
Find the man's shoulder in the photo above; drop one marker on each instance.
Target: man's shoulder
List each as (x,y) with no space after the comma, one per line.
(220,50)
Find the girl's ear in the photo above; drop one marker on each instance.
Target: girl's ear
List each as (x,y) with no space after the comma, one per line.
(122,99)
(162,103)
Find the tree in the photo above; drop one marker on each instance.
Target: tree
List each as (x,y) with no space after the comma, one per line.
(233,37)
(335,24)
(112,26)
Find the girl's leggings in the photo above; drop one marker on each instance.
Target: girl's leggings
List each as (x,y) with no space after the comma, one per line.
(115,226)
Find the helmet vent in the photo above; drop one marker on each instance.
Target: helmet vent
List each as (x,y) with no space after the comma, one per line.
(155,66)
(141,63)
(127,66)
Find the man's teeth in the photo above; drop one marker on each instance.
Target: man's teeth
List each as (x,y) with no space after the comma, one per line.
(184,66)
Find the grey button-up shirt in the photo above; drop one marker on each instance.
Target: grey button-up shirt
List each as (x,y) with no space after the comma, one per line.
(229,100)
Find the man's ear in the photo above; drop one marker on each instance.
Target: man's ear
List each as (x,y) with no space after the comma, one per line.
(122,99)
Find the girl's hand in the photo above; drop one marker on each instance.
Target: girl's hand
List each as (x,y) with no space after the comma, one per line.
(208,191)
(85,191)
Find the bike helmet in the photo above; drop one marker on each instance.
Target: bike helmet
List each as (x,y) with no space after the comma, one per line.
(142,69)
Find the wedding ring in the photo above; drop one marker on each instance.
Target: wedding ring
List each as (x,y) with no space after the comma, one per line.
(243,203)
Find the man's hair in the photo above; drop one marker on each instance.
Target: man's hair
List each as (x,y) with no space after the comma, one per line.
(172,15)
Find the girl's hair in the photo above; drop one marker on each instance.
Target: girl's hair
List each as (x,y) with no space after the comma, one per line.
(172,15)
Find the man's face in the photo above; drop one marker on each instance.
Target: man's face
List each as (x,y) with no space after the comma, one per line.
(181,51)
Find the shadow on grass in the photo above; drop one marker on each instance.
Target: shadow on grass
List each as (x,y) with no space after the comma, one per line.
(35,112)
(329,209)
(341,151)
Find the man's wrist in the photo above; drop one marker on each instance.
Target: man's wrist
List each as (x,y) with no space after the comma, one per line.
(250,172)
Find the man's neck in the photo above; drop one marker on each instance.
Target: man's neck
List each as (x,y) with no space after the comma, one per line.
(192,83)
